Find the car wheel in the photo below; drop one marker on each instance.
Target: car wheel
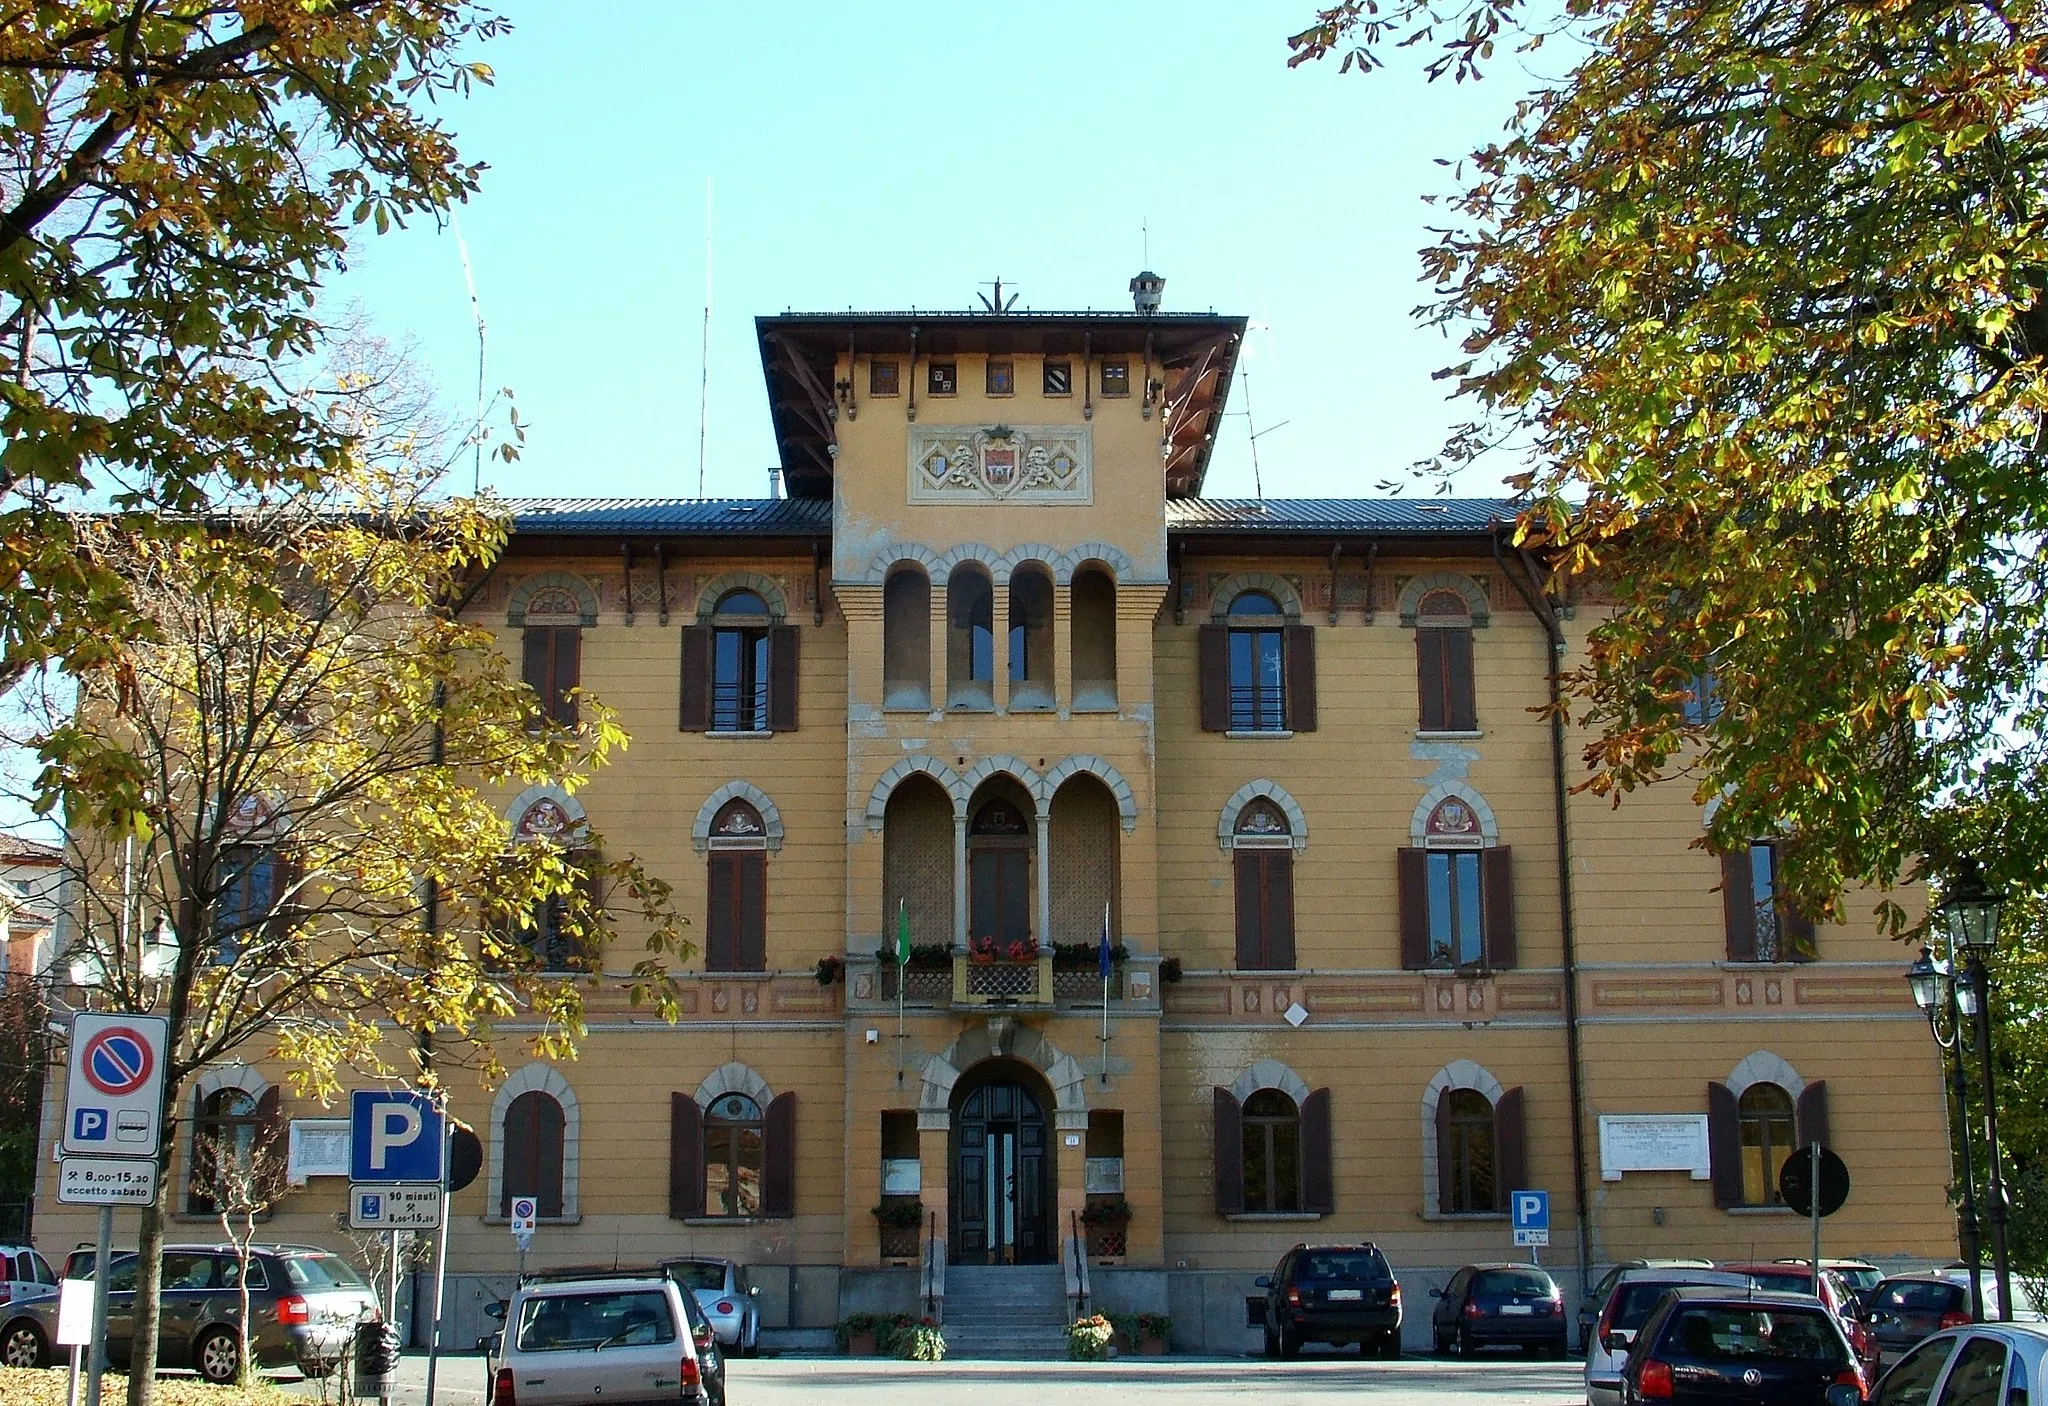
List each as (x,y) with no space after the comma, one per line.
(1465,1346)
(1390,1346)
(1272,1343)
(23,1346)
(1290,1345)
(218,1357)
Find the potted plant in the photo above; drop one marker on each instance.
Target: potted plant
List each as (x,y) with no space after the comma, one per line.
(982,949)
(915,1341)
(856,1334)
(1153,1330)
(1088,1339)
(831,971)
(1169,971)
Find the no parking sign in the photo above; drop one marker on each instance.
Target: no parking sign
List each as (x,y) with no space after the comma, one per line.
(114,1098)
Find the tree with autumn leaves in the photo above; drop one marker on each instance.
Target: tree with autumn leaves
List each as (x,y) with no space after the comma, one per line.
(1752,303)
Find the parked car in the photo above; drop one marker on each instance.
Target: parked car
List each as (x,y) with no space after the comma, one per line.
(1332,1294)
(1631,1295)
(1590,1305)
(710,1357)
(1995,1362)
(1860,1275)
(304,1304)
(1796,1277)
(1905,1308)
(24,1274)
(612,1335)
(1498,1305)
(722,1291)
(1711,1346)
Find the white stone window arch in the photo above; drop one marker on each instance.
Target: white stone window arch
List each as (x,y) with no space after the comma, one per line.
(1763,1067)
(1458,1074)
(1283,591)
(537,1078)
(733,1077)
(1227,837)
(546,812)
(1452,815)
(771,818)
(1270,1074)
(1420,588)
(241,1078)
(718,588)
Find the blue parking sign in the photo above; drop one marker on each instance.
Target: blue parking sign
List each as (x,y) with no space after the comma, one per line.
(1529,1213)
(394,1136)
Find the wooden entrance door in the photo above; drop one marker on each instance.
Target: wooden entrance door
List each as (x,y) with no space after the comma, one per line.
(999,1193)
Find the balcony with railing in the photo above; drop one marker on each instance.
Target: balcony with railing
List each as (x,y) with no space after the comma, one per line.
(966,982)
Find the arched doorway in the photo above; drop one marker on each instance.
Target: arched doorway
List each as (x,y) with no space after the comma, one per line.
(1002,1192)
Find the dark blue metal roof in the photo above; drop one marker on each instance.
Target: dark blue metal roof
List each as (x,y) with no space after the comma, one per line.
(1422,517)
(701,517)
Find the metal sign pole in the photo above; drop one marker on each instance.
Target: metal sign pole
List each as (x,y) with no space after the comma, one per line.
(1816,1217)
(392,1236)
(103,1252)
(441,1254)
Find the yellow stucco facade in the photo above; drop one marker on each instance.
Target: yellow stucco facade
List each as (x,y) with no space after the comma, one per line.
(984,799)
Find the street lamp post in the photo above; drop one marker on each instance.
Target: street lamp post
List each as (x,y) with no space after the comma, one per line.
(1970,910)
(1934,991)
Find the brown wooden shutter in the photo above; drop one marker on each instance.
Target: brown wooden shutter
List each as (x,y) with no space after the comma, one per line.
(722,911)
(533,660)
(695,714)
(1301,678)
(1212,668)
(520,1172)
(1229,1154)
(1813,1113)
(685,1158)
(1724,1145)
(1510,1148)
(782,678)
(1318,1170)
(1446,1156)
(1461,707)
(1435,715)
(552,1132)
(1497,886)
(268,1162)
(1249,944)
(1277,920)
(1738,906)
(1800,944)
(778,1157)
(753,910)
(1411,870)
(568,672)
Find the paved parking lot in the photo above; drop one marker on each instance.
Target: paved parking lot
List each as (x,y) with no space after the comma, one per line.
(789,1381)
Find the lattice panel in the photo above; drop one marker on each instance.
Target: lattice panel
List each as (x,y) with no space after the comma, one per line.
(1105,1241)
(1085,987)
(1003,980)
(917,862)
(922,988)
(1084,849)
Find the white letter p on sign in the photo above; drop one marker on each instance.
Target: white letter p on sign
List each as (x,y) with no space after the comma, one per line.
(395,1125)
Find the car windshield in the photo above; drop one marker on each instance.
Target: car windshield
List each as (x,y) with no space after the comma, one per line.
(1638,1298)
(1918,1296)
(1343,1264)
(1752,1333)
(692,1275)
(321,1272)
(1783,1281)
(1521,1283)
(598,1319)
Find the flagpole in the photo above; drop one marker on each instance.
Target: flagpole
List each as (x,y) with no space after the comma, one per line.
(1105,993)
(902,975)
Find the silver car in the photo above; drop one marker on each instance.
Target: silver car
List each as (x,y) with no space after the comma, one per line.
(722,1292)
(617,1337)
(1996,1362)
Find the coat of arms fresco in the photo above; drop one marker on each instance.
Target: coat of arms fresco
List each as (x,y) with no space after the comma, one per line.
(1000,463)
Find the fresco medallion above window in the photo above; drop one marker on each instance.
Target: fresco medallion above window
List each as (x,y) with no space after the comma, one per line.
(1001,464)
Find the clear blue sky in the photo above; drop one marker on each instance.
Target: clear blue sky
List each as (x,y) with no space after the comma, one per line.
(893,156)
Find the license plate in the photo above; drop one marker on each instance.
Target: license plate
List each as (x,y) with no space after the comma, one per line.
(1520,1308)
(1346,1295)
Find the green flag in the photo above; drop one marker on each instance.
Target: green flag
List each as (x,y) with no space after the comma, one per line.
(902,933)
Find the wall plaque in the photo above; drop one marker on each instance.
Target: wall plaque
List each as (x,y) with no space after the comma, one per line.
(317,1147)
(902,1176)
(1001,464)
(1654,1142)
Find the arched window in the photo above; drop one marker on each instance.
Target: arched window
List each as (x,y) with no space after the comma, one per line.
(1262,858)
(736,885)
(906,639)
(1764,1114)
(1272,1152)
(1469,1170)
(999,844)
(1457,890)
(1258,664)
(970,640)
(1443,663)
(533,1137)
(733,1156)
(1093,647)
(739,663)
(224,1138)
(1030,638)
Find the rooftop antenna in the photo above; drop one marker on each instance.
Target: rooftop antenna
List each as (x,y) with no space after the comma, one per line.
(998,303)
(1255,435)
(704,351)
(476,308)
(1145,241)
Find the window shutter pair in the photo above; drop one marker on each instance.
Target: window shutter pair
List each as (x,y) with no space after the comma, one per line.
(1265,909)
(695,693)
(736,930)
(1318,1189)
(1796,939)
(552,665)
(1212,669)
(1497,906)
(1510,1151)
(686,1157)
(1443,671)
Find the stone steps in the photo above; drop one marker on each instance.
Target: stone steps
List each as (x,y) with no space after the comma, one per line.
(1006,1312)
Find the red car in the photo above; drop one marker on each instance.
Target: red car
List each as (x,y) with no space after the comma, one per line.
(1841,1300)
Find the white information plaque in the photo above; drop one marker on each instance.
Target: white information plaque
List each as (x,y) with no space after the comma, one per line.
(1654,1142)
(318,1147)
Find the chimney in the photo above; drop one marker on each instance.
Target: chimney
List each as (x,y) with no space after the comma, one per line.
(775,483)
(1145,290)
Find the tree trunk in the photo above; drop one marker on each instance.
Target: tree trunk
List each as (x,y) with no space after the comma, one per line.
(149,1271)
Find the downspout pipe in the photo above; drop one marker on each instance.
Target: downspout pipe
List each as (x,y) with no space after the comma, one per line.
(1542,608)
